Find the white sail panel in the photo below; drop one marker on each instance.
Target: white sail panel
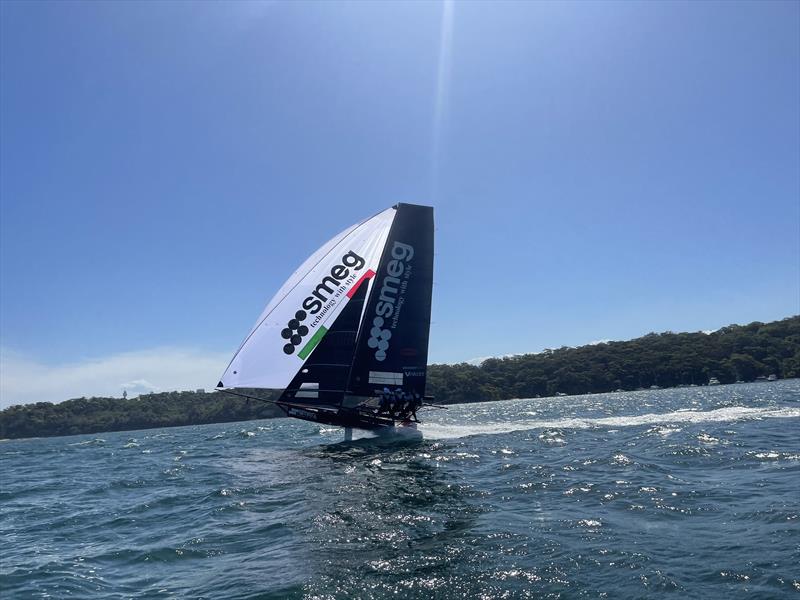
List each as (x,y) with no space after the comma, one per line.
(305,307)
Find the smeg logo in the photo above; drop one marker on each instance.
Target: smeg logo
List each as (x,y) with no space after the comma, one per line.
(379,338)
(388,299)
(294,332)
(320,297)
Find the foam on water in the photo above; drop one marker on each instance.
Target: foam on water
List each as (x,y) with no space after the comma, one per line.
(732,413)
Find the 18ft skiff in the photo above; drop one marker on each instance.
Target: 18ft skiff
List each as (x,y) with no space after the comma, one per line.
(349,329)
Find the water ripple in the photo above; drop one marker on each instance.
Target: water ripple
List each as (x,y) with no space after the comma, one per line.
(644,494)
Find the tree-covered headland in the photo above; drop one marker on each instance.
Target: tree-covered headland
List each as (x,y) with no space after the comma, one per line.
(733,353)
(730,354)
(148,411)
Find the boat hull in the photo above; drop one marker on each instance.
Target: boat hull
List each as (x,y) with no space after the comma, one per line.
(341,417)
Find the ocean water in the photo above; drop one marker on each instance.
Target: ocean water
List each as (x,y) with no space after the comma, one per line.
(666,493)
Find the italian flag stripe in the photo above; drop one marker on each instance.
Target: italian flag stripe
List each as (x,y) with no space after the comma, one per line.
(312,343)
(368,275)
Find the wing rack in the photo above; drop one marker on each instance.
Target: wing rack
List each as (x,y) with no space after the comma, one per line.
(361,416)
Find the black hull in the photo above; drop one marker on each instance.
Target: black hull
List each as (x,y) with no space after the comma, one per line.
(359,416)
(342,417)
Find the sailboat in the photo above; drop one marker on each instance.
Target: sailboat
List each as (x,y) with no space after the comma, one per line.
(346,337)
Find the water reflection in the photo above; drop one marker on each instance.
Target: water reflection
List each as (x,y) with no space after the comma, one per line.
(385,515)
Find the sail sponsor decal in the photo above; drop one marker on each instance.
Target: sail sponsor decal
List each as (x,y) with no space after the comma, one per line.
(312,343)
(301,413)
(398,273)
(413,372)
(368,275)
(342,282)
(309,389)
(386,378)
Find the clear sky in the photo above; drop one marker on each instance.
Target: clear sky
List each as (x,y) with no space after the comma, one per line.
(598,171)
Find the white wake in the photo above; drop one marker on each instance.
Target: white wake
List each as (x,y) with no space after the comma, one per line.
(731,413)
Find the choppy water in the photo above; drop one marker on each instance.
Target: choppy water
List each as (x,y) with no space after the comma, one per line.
(692,492)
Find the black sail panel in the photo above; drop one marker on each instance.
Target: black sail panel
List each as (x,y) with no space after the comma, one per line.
(323,378)
(392,346)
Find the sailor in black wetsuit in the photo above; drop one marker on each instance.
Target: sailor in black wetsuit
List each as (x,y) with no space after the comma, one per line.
(386,402)
(397,403)
(407,406)
(414,403)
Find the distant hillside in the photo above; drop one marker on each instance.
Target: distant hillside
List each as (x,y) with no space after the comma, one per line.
(168,409)
(734,353)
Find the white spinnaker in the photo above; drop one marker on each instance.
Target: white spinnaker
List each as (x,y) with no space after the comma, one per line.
(261,361)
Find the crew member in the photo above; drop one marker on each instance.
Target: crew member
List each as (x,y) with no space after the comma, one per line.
(408,405)
(397,404)
(416,402)
(386,401)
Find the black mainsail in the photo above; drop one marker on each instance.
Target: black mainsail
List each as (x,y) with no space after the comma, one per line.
(392,346)
(351,323)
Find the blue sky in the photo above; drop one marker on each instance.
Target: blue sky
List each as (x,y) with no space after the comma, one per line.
(599,171)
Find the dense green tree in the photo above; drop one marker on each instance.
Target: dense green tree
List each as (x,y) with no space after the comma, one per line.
(733,353)
(92,415)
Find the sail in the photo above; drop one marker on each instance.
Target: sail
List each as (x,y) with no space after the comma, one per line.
(392,345)
(323,378)
(303,312)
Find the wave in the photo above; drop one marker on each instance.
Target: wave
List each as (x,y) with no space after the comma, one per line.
(730,413)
